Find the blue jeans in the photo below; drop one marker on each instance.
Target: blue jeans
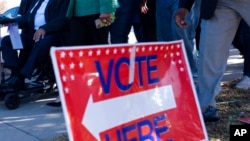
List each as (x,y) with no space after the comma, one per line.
(120,29)
(165,24)
(167,30)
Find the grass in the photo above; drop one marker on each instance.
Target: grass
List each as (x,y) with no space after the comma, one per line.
(231,104)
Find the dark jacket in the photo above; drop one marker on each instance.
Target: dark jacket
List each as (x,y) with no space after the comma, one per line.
(207,7)
(24,6)
(55,16)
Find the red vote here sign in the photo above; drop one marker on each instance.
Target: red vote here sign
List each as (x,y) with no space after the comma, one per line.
(128,92)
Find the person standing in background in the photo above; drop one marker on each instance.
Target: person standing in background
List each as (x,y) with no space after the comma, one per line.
(83,15)
(220,20)
(124,20)
(167,30)
(89,25)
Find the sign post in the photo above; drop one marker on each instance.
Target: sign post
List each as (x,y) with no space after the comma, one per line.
(128,92)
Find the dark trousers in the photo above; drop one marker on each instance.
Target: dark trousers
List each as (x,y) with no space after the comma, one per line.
(148,22)
(124,20)
(83,31)
(242,42)
(31,56)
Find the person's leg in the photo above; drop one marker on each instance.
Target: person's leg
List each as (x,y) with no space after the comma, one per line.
(197,36)
(38,54)
(10,56)
(242,43)
(124,17)
(194,37)
(93,35)
(77,32)
(243,9)
(12,59)
(83,31)
(164,19)
(246,42)
(148,22)
(189,47)
(238,42)
(195,16)
(188,36)
(14,83)
(167,30)
(217,35)
(194,32)
(137,27)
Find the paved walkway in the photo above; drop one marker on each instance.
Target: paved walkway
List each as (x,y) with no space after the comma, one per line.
(234,66)
(35,121)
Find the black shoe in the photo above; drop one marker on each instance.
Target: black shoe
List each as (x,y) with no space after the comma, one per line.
(13,84)
(211,114)
(54,104)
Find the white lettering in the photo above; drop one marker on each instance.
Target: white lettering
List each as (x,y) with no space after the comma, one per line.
(239,132)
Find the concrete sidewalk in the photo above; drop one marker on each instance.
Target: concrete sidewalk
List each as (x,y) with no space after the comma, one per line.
(32,121)
(35,121)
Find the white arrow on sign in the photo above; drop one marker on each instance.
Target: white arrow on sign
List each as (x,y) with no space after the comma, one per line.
(103,115)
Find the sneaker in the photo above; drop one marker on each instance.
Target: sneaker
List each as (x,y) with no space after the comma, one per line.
(244,83)
(211,114)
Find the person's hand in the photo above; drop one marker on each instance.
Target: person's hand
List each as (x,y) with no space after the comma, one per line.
(180,17)
(107,18)
(39,34)
(144,7)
